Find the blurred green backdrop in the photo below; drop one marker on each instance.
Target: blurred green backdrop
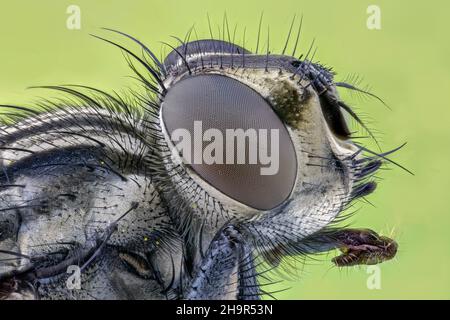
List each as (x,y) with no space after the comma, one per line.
(406,62)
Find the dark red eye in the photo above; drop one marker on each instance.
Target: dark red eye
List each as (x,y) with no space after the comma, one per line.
(223,104)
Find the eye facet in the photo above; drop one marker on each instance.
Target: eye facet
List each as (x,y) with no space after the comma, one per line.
(221,103)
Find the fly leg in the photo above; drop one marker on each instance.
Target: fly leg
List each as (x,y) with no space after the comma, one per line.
(226,271)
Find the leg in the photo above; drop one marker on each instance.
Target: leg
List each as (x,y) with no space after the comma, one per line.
(227,270)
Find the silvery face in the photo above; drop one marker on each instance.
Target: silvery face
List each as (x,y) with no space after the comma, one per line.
(317,158)
(98,184)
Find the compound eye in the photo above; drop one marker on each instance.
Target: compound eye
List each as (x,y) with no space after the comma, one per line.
(237,143)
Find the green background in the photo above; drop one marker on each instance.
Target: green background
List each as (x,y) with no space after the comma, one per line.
(406,62)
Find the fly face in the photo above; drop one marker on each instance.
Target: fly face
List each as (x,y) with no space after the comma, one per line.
(232,159)
(225,87)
